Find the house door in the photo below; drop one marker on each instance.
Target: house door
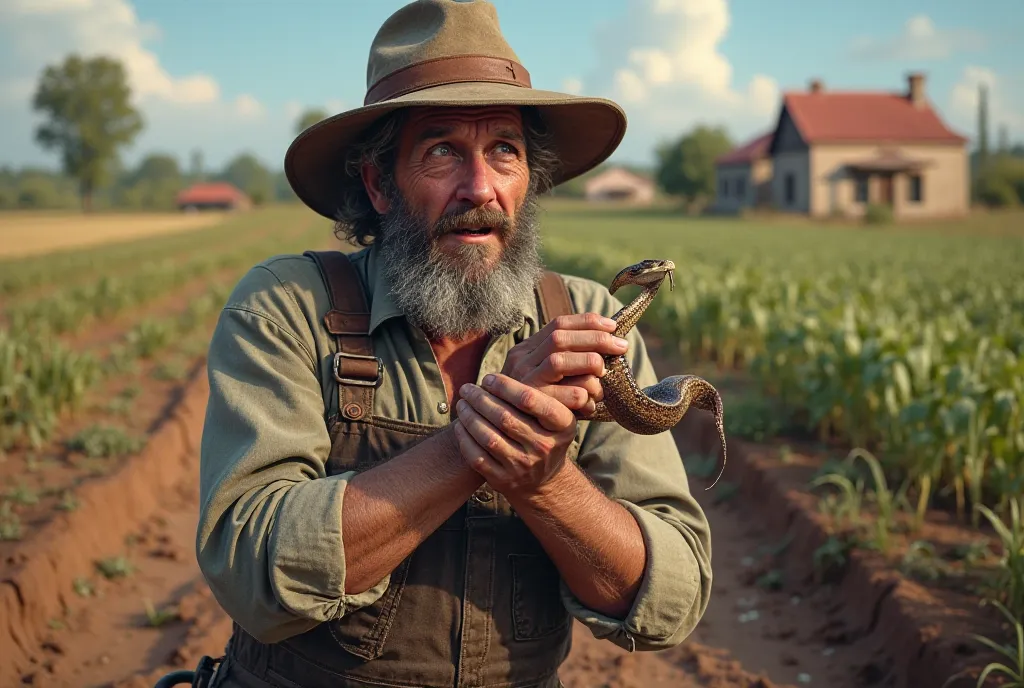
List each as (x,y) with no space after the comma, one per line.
(885,189)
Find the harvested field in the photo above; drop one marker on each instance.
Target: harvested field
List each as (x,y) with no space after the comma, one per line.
(813,585)
(33,233)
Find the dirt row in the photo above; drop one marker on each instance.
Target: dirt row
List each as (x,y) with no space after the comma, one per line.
(772,621)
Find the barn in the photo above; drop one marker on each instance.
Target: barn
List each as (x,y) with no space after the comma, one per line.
(213,196)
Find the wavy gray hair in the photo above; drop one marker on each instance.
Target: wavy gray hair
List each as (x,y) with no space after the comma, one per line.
(357,220)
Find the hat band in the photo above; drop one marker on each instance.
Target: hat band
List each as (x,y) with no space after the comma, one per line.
(447,70)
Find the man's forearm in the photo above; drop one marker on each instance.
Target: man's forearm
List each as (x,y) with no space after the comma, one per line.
(392,508)
(595,543)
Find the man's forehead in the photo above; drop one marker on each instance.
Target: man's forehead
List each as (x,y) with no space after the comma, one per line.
(489,118)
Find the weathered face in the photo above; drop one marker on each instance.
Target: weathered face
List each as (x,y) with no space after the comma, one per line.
(458,240)
(464,171)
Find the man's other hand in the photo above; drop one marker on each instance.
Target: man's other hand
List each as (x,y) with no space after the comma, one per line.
(513,435)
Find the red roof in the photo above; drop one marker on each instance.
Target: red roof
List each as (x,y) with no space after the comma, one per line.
(867,117)
(212,192)
(751,150)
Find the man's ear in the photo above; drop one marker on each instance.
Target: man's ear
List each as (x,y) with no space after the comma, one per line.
(374,189)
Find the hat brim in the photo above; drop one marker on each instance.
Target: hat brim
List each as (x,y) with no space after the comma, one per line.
(585,132)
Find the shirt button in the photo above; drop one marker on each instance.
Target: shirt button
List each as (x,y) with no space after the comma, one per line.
(442,407)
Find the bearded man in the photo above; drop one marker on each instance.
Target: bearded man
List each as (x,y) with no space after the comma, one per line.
(395,488)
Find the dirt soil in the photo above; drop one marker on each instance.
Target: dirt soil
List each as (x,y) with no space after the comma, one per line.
(769,622)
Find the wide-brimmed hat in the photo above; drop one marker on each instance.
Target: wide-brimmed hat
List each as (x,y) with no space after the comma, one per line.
(448,53)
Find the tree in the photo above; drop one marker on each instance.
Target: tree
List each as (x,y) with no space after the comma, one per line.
(309,118)
(157,167)
(248,174)
(686,167)
(90,116)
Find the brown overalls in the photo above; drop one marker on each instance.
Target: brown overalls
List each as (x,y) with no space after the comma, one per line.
(476,604)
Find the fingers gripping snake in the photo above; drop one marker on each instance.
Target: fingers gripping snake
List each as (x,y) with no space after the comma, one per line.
(661,406)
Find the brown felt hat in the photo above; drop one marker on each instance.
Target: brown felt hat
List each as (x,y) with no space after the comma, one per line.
(448,53)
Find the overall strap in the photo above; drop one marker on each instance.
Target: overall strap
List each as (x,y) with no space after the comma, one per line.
(553,297)
(357,371)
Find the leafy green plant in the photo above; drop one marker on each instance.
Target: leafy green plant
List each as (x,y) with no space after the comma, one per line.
(102,441)
(1011,536)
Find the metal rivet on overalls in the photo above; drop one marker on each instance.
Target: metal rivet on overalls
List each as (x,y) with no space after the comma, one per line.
(442,407)
(353,411)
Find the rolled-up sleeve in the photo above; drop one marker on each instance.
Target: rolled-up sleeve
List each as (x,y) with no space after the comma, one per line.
(645,474)
(269,539)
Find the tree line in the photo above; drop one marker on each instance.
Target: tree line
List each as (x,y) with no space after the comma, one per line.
(89,120)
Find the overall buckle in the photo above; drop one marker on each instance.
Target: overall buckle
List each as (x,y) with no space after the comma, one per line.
(356,381)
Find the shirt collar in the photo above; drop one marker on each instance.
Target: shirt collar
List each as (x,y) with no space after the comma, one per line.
(384,308)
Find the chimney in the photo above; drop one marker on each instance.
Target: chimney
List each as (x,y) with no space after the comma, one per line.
(816,86)
(915,89)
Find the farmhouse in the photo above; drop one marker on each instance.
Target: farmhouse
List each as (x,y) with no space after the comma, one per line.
(619,184)
(839,152)
(743,176)
(213,196)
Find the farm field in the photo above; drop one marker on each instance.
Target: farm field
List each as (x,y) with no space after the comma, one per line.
(32,233)
(906,343)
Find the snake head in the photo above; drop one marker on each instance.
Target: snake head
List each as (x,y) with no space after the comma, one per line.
(646,273)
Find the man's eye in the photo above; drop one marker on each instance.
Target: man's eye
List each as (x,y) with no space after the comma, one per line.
(441,149)
(507,148)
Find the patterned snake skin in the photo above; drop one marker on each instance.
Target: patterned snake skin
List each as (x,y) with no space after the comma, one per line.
(659,407)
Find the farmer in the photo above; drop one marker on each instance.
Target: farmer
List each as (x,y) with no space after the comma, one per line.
(395,492)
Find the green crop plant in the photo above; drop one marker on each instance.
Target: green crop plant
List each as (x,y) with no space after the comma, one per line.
(1011,538)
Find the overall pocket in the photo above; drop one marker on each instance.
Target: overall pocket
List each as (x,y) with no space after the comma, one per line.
(364,631)
(537,607)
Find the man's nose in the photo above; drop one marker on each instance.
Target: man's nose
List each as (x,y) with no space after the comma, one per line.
(475,186)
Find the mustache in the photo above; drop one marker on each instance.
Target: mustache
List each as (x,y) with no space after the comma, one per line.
(470,218)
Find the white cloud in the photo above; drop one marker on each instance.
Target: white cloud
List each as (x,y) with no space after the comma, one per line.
(181,111)
(919,40)
(662,61)
(44,31)
(334,106)
(573,86)
(248,107)
(1005,104)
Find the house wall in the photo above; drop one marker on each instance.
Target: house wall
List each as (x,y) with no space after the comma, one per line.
(797,165)
(727,184)
(945,181)
(791,160)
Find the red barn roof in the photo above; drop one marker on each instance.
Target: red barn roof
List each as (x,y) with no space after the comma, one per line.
(865,117)
(748,152)
(211,192)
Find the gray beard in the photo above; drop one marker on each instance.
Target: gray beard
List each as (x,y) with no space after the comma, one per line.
(454,294)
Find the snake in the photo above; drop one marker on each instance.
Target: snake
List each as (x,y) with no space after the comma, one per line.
(658,407)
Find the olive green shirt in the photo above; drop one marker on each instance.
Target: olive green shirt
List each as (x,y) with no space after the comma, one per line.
(269,538)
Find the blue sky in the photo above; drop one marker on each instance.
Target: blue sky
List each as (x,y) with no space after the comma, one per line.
(227,76)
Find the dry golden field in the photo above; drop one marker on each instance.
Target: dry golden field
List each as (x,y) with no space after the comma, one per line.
(32,233)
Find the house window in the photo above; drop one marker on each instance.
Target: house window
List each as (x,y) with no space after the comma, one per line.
(741,187)
(725,187)
(916,188)
(790,188)
(861,188)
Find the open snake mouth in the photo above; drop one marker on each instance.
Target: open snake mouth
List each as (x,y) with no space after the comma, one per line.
(646,273)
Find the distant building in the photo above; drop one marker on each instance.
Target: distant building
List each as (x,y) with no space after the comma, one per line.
(619,184)
(213,196)
(743,176)
(837,152)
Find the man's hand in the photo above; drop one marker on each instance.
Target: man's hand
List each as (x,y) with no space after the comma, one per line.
(565,359)
(513,435)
